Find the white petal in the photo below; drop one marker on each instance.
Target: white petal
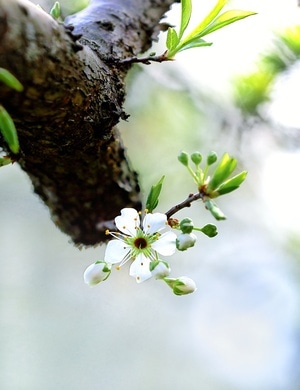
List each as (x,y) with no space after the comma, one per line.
(94,274)
(153,223)
(140,269)
(128,221)
(115,252)
(166,244)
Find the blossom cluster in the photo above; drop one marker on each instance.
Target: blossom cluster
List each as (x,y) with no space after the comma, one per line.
(142,243)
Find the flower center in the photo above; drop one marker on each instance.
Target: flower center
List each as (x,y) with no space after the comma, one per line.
(140,243)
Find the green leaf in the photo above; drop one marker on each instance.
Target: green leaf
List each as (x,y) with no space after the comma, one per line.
(231,184)
(152,200)
(8,130)
(172,39)
(195,43)
(225,19)
(55,11)
(225,167)
(186,11)
(207,20)
(7,78)
(209,230)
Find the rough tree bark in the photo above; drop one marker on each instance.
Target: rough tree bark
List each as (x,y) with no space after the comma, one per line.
(73,97)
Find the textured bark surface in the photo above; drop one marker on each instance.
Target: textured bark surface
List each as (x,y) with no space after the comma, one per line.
(72,100)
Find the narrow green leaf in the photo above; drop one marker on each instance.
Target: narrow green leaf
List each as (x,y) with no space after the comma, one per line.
(195,43)
(231,184)
(207,20)
(186,11)
(152,200)
(8,130)
(7,78)
(225,167)
(225,19)
(55,10)
(172,39)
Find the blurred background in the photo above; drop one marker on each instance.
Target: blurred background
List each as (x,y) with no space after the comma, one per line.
(240,329)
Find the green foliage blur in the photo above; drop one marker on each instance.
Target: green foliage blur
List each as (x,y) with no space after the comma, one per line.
(253,89)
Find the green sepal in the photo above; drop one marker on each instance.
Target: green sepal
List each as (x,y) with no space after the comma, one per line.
(225,167)
(152,200)
(8,130)
(186,11)
(214,210)
(230,185)
(106,269)
(172,38)
(10,80)
(154,263)
(5,161)
(209,230)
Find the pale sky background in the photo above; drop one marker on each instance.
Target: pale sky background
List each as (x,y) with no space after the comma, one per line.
(240,330)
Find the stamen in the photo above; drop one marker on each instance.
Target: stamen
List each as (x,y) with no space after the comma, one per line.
(118,267)
(107,232)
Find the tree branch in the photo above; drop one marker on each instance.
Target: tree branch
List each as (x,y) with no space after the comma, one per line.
(72,100)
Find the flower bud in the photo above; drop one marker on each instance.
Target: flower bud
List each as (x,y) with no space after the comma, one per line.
(185,241)
(183,157)
(212,158)
(186,225)
(182,285)
(160,269)
(96,273)
(196,158)
(215,211)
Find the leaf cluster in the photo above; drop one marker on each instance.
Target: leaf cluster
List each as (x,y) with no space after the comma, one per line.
(176,42)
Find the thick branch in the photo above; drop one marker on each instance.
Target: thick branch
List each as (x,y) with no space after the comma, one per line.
(72,99)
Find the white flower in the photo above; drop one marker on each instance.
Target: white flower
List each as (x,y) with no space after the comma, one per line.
(185,241)
(96,273)
(182,285)
(160,269)
(140,243)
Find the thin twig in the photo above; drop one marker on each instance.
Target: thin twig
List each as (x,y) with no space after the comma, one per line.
(144,60)
(186,203)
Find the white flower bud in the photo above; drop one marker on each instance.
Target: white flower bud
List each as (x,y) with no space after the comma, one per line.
(160,269)
(185,241)
(184,286)
(96,273)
